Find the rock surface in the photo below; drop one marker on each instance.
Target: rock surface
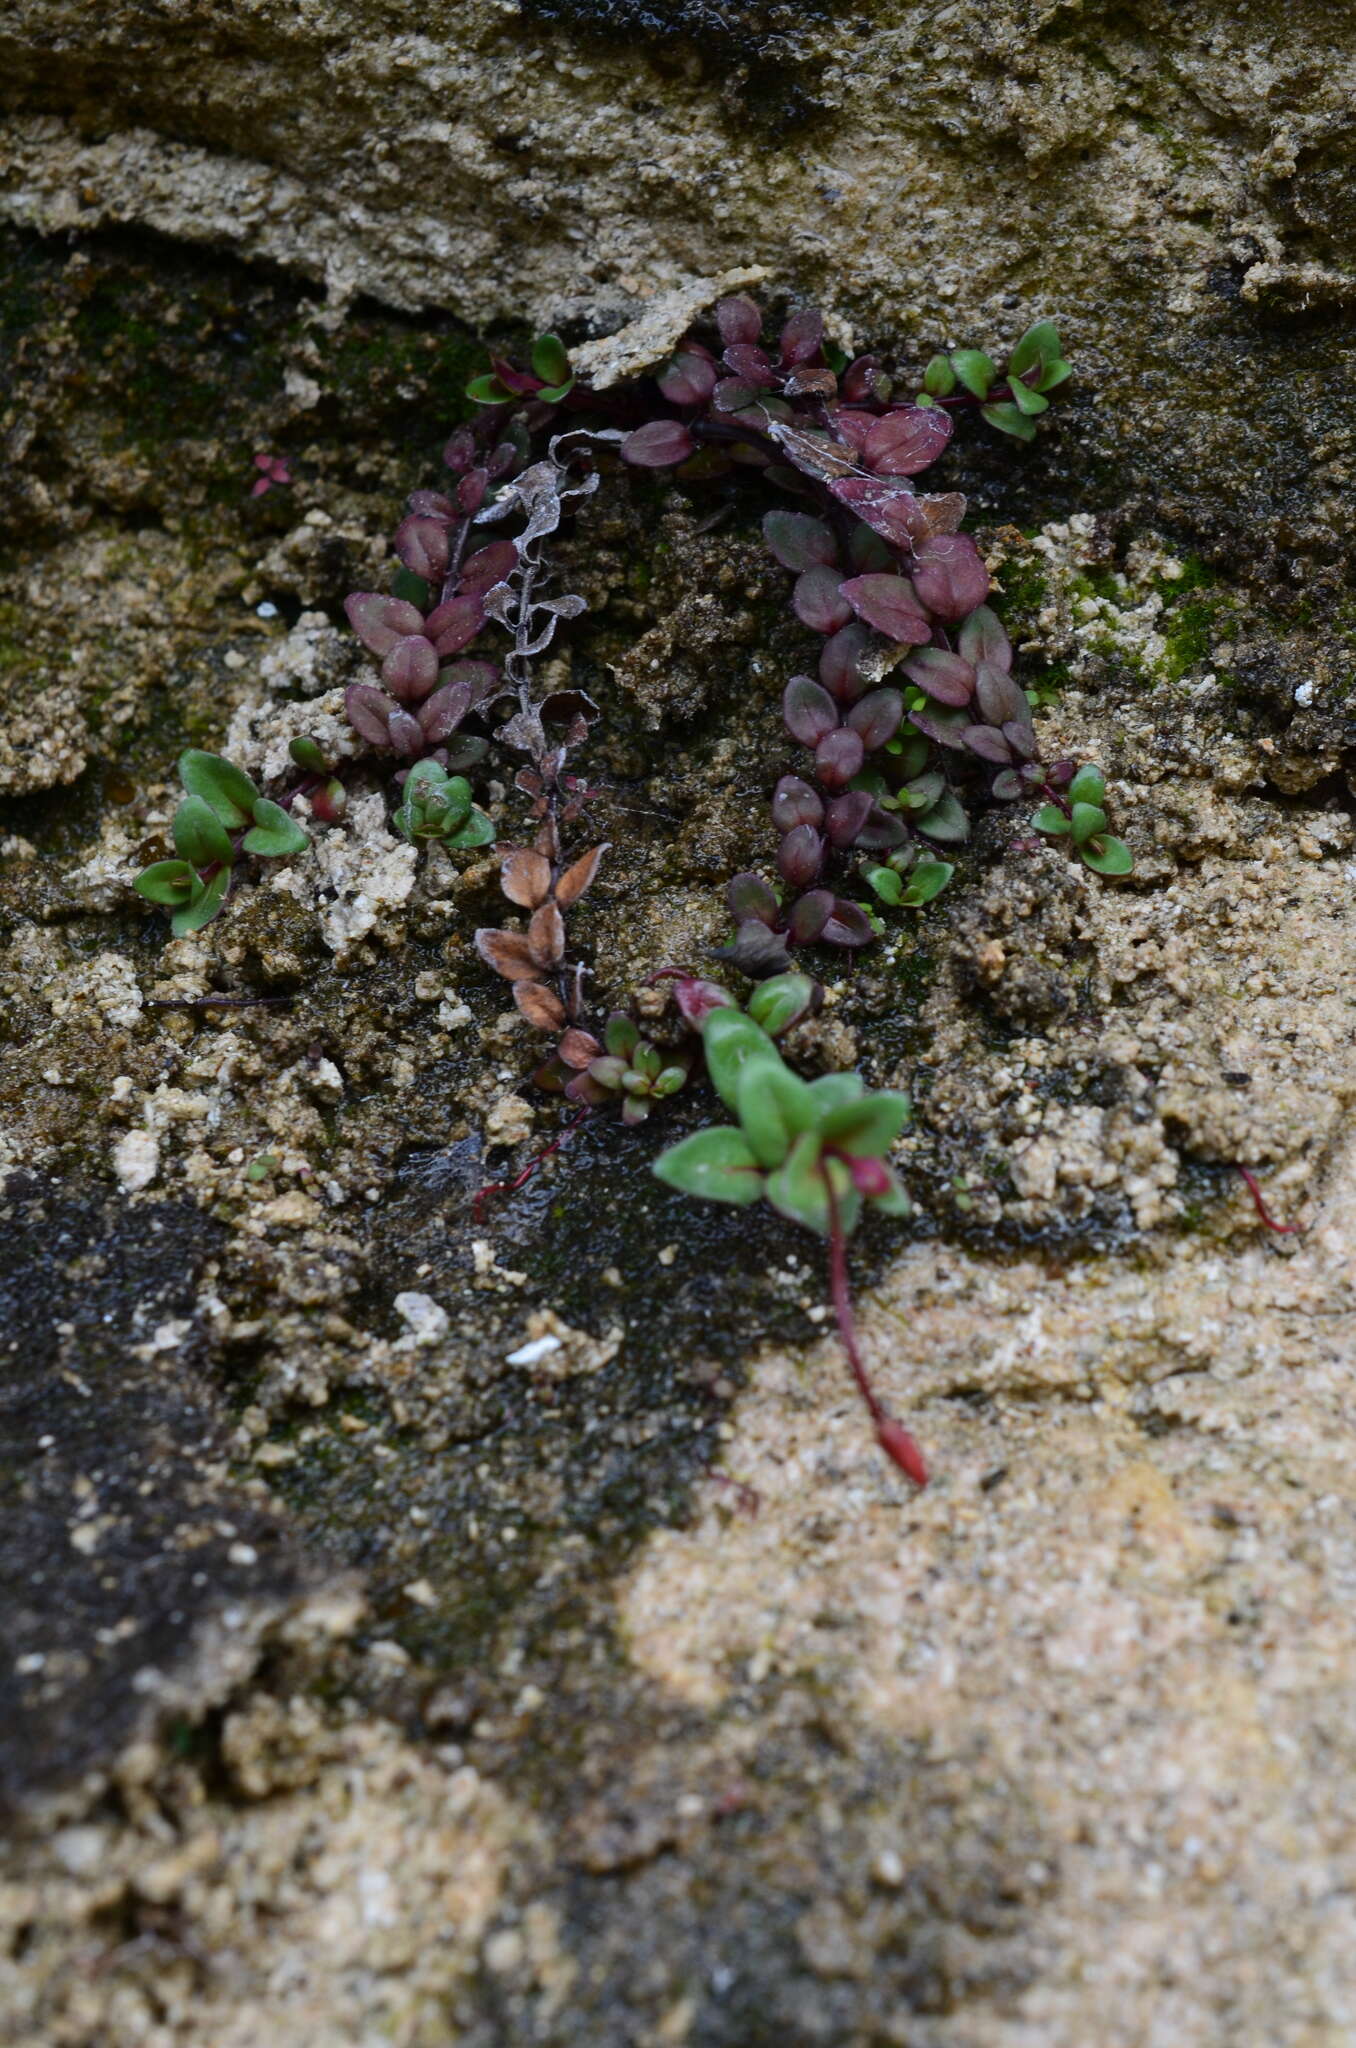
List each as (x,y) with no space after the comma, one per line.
(513,1615)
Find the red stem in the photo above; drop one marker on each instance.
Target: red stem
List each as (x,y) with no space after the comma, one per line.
(511,1187)
(1250,1182)
(892,1436)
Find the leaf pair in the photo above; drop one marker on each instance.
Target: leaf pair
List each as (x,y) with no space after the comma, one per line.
(222,799)
(1085,822)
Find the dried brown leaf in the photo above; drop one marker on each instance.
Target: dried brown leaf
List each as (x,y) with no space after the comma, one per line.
(547,841)
(578,1049)
(509,954)
(546,937)
(525,878)
(541,1007)
(578,876)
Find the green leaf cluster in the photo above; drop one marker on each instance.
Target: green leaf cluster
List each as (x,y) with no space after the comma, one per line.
(1084,822)
(550,364)
(636,1070)
(810,1148)
(908,879)
(437,805)
(1013,398)
(222,801)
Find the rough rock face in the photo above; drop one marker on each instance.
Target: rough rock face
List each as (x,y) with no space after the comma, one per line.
(1156,175)
(361,1685)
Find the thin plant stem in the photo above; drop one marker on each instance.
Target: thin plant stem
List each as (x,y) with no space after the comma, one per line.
(892,1436)
(520,1180)
(1250,1182)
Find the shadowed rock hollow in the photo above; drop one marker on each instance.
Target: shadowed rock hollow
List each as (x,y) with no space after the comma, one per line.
(361,1686)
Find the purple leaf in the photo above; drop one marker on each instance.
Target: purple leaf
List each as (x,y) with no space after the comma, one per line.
(454,625)
(949,575)
(847,925)
(891,605)
(749,896)
(1008,784)
(659,444)
(1020,738)
(482,676)
(460,451)
(410,670)
(867,551)
(798,541)
(471,490)
(998,697)
(756,951)
(800,856)
(810,915)
(846,816)
(796,802)
(431,505)
(943,675)
(443,712)
(488,566)
(802,337)
(882,829)
(907,441)
(405,733)
(841,662)
(809,711)
(750,365)
(982,638)
(688,378)
(852,426)
(380,621)
(988,744)
(875,717)
(422,546)
(947,726)
(838,757)
(368,709)
(738,319)
(889,509)
(860,376)
(732,394)
(818,600)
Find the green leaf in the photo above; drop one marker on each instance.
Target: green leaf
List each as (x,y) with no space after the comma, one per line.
(887,884)
(621,1035)
(798,1189)
(307,754)
(477,831)
(775,1107)
(275,832)
(867,1128)
(670,1081)
(552,364)
(1040,344)
(204,907)
(1053,374)
(226,788)
(166,881)
(1107,856)
(894,1202)
(777,1003)
(1051,820)
(1088,786)
(924,792)
(1087,821)
(199,834)
(946,821)
(487,390)
(413,589)
(927,879)
(1026,400)
(939,379)
(553,393)
(729,1039)
(975,370)
(1009,419)
(831,1090)
(716,1164)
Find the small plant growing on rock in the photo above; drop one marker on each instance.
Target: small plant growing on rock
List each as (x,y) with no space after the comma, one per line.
(223,815)
(1078,815)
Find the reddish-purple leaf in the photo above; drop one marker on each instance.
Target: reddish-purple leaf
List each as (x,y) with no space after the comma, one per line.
(838,757)
(841,665)
(847,925)
(989,744)
(943,675)
(810,915)
(431,505)
(947,726)
(480,677)
(738,319)
(852,426)
(488,566)
(846,816)
(907,441)
(891,605)
(410,670)
(800,856)
(443,712)
(982,638)
(380,621)
(509,954)
(404,732)
(697,998)
(860,377)
(796,802)
(732,394)
(875,717)
(802,337)
(798,541)
(749,896)
(513,379)
(454,625)
(750,365)
(867,551)
(949,575)
(689,377)
(460,451)
(422,546)
(368,710)
(809,711)
(998,697)
(889,509)
(659,444)
(818,600)
(1020,737)
(882,829)
(471,491)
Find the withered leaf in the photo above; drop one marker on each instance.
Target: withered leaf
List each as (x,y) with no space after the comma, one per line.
(525,878)
(509,954)
(578,876)
(546,936)
(542,1008)
(578,1048)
